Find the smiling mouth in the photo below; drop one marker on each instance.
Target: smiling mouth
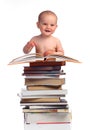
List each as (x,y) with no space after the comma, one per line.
(47,31)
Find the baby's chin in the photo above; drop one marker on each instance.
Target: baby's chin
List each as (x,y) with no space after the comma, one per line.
(48,32)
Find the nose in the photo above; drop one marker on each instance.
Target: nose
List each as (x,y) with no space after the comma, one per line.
(48,26)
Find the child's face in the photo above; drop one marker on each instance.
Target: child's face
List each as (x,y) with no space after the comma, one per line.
(47,25)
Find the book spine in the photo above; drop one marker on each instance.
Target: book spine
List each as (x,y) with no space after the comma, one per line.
(48,63)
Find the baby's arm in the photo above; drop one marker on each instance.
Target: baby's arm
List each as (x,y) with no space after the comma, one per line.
(59,48)
(58,51)
(49,52)
(28,47)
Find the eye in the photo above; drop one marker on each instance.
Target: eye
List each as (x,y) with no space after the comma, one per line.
(44,23)
(52,25)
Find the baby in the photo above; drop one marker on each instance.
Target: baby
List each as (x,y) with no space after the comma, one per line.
(45,43)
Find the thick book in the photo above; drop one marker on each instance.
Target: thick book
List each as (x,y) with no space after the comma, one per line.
(40,68)
(47,118)
(47,63)
(44,81)
(27,58)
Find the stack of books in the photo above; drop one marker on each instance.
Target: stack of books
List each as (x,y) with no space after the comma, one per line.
(43,100)
(44,96)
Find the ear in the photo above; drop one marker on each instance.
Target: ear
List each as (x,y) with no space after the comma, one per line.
(56,26)
(37,24)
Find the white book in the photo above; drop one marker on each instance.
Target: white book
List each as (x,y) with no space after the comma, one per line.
(47,118)
(39,96)
(25,92)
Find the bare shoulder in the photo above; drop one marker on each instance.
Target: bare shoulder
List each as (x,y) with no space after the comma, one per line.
(34,38)
(57,40)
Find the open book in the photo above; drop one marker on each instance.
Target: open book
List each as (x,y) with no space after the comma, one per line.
(27,58)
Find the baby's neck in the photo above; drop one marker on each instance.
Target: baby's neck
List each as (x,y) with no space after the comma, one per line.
(44,36)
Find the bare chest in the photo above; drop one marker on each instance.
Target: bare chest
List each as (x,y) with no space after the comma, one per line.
(46,45)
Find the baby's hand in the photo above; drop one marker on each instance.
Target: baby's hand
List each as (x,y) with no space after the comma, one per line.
(48,52)
(30,44)
(28,47)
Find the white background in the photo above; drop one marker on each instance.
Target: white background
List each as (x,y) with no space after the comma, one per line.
(17,25)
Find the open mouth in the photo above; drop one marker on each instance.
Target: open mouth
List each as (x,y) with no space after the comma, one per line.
(47,31)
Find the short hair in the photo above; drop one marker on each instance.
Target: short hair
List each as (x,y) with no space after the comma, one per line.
(48,12)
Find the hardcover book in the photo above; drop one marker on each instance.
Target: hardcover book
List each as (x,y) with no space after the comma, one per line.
(44,68)
(47,118)
(28,100)
(44,81)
